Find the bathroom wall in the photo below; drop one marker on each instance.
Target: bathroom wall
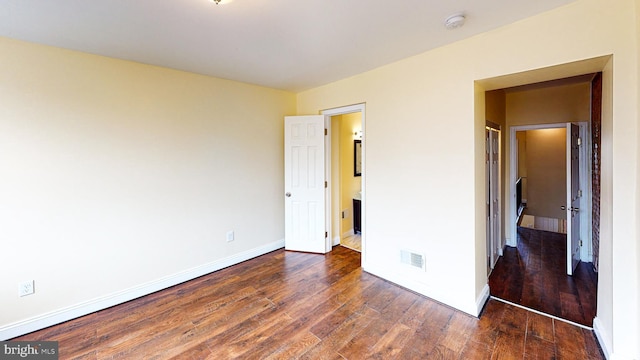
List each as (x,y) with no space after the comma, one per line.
(349,184)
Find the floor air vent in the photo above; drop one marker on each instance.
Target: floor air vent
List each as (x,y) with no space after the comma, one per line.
(412,259)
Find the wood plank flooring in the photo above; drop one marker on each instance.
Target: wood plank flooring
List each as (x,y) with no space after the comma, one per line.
(534,275)
(288,305)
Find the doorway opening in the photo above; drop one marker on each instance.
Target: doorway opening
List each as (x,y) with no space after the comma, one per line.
(308,170)
(344,152)
(535,269)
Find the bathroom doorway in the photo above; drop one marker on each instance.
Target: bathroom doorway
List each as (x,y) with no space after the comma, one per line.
(345,144)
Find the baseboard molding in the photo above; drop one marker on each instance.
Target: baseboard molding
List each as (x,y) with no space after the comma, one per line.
(509,242)
(59,316)
(602,337)
(482,299)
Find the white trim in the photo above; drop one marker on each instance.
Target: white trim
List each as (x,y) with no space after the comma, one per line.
(59,316)
(344,110)
(482,299)
(542,313)
(602,337)
(328,208)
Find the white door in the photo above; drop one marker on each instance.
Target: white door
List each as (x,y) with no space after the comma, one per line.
(304,184)
(573,197)
(492,174)
(487,175)
(495,195)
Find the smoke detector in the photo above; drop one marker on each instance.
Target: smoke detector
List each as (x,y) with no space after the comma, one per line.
(454,21)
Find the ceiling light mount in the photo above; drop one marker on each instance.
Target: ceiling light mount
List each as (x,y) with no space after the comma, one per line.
(455,21)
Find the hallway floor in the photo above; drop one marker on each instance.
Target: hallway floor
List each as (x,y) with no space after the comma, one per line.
(353,242)
(534,275)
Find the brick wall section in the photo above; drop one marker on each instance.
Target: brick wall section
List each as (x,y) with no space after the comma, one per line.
(596,124)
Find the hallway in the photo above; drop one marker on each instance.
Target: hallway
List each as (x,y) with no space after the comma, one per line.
(533,275)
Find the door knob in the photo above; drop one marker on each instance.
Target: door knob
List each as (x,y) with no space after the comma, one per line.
(563,207)
(287,194)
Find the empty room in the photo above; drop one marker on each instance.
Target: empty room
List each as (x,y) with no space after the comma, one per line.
(174,177)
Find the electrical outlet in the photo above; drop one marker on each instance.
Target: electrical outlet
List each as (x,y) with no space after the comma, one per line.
(230,236)
(26,288)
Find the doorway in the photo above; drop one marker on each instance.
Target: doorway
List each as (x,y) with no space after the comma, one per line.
(533,269)
(345,171)
(550,165)
(308,171)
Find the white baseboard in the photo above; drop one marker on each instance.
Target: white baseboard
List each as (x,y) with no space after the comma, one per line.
(482,298)
(602,337)
(59,316)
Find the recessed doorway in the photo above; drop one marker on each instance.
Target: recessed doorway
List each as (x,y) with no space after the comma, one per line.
(550,101)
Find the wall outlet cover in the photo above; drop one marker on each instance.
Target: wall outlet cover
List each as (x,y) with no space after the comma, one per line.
(26,288)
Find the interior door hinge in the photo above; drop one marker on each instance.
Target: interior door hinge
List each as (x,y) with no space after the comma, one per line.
(325,132)
(326,185)
(326,234)
(579,141)
(580,243)
(579,193)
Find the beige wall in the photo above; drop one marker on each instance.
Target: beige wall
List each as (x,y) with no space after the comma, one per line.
(117,175)
(546,172)
(425,141)
(496,107)
(557,104)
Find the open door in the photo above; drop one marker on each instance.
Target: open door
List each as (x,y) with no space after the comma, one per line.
(573,197)
(304,184)
(492,165)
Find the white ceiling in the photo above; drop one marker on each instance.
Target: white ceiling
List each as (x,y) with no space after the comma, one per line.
(284,44)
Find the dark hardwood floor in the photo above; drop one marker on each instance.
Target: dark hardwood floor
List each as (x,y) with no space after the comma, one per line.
(534,275)
(288,305)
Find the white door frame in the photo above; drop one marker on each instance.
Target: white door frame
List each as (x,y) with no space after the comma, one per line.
(585,178)
(327,148)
